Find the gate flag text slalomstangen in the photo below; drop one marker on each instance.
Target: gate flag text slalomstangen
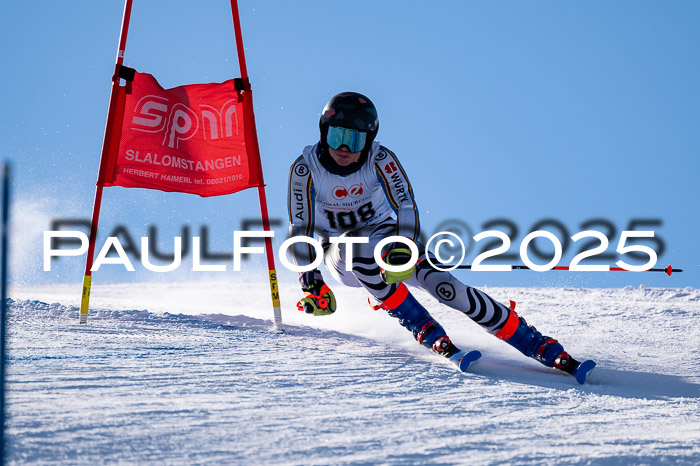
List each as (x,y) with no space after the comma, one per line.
(189,139)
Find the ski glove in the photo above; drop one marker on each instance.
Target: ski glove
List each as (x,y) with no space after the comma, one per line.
(396,257)
(318,298)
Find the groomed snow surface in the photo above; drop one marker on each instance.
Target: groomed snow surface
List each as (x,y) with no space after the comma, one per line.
(193,373)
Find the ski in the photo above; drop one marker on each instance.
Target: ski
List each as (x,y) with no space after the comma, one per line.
(583,370)
(464,359)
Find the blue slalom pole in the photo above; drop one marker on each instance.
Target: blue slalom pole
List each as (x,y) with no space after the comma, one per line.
(3,300)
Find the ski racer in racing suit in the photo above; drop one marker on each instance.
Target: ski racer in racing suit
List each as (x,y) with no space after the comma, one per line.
(349,186)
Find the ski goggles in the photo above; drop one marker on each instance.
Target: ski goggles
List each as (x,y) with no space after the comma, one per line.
(354,139)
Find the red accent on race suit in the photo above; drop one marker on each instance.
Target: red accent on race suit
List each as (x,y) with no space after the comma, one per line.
(395,300)
(510,327)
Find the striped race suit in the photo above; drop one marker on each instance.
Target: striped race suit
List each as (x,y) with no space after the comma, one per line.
(375,201)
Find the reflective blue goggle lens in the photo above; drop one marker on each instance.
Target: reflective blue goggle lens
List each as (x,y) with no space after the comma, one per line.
(354,139)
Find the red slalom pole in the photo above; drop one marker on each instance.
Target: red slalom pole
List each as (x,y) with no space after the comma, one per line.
(107,143)
(252,137)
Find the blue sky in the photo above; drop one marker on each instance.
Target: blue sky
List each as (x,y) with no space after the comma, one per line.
(512,110)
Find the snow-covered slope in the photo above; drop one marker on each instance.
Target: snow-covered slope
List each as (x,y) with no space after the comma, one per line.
(192,373)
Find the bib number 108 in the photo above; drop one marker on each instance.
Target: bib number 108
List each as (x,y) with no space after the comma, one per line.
(349,219)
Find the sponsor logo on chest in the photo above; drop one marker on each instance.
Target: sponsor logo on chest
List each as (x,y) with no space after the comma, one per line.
(342,197)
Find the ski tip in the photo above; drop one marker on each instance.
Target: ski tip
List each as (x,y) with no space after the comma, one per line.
(468,359)
(584,370)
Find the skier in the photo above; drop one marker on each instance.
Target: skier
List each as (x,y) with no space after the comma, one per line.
(349,186)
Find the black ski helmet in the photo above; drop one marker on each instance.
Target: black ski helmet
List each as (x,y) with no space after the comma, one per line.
(348,110)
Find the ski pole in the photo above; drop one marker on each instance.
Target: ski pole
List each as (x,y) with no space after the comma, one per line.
(668,270)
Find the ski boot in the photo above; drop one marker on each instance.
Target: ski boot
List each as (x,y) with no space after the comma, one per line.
(415,318)
(529,341)
(427,331)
